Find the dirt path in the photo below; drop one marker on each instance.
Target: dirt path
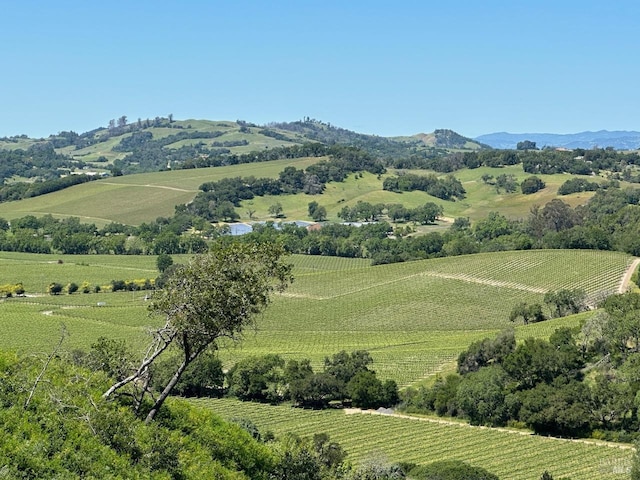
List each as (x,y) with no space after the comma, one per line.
(176,189)
(355,411)
(624,283)
(484,281)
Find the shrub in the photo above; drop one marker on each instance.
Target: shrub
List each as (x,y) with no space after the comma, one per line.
(451,470)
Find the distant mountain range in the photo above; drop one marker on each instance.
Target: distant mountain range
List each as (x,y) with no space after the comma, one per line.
(620,140)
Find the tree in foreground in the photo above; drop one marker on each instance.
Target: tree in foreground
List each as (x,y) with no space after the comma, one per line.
(212,297)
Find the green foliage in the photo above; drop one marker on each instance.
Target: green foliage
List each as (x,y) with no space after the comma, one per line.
(574,185)
(526,145)
(343,367)
(566,301)
(482,396)
(558,409)
(317,212)
(211,297)
(257,378)
(163,262)
(275,210)
(315,458)
(506,182)
(68,431)
(531,185)
(537,361)
(448,188)
(486,352)
(111,356)
(377,470)
(529,313)
(451,470)
(493,226)
(622,327)
(203,378)
(55,288)
(366,391)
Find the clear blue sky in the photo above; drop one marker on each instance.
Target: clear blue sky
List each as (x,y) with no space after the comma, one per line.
(387,68)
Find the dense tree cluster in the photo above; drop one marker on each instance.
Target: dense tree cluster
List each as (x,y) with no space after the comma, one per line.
(366,212)
(531,185)
(38,161)
(20,190)
(574,185)
(448,188)
(541,384)
(69,236)
(345,378)
(577,162)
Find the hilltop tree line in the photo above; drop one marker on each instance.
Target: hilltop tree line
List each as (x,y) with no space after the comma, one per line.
(546,161)
(381,147)
(578,383)
(147,154)
(21,190)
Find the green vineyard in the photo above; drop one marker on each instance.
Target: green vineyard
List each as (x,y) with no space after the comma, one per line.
(513,455)
(414,318)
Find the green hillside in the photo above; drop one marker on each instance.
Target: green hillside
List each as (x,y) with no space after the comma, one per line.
(133,199)
(414,318)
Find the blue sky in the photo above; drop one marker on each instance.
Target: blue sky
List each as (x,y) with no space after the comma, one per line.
(386,68)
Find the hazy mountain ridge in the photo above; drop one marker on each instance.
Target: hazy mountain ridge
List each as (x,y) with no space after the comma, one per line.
(619,139)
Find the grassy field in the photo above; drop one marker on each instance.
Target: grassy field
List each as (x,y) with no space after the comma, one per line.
(509,454)
(414,318)
(134,199)
(481,198)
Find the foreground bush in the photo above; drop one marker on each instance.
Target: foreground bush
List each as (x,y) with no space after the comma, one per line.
(60,427)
